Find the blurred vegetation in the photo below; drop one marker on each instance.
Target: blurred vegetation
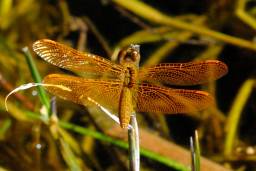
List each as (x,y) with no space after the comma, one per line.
(73,137)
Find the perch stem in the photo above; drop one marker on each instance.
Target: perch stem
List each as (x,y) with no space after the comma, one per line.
(134,145)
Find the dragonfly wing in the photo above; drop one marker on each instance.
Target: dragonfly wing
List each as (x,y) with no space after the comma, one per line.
(190,73)
(68,58)
(166,100)
(78,90)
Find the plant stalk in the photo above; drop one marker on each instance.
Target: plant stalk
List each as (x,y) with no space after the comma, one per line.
(134,145)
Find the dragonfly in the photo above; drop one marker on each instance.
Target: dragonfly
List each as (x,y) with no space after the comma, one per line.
(124,87)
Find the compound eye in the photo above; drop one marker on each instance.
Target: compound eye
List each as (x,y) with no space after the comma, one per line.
(131,56)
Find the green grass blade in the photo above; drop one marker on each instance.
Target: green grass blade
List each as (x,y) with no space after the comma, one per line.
(37,78)
(235,114)
(197,152)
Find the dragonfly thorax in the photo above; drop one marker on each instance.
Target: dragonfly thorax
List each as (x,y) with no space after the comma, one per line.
(130,77)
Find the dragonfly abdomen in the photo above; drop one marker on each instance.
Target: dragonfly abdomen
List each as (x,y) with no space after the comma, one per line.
(125,107)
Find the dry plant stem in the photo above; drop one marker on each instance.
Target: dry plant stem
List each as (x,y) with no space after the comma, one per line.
(78,24)
(134,145)
(98,35)
(133,18)
(73,23)
(53,105)
(147,36)
(192,153)
(165,49)
(14,111)
(68,156)
(149,13)
(245,17)
(212,52)
(235,113)
(9,87)
(65,15)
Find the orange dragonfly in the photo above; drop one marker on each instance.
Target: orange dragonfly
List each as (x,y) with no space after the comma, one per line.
(124,88)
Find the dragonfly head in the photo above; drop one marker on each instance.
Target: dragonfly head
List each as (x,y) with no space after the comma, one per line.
(130,54)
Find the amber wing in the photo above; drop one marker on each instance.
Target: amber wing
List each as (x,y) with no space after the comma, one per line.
(149,98)
(190,73)
(76,89)
(166,100)
(71,59)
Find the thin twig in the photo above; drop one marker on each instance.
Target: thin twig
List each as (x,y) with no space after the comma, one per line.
(134,144)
